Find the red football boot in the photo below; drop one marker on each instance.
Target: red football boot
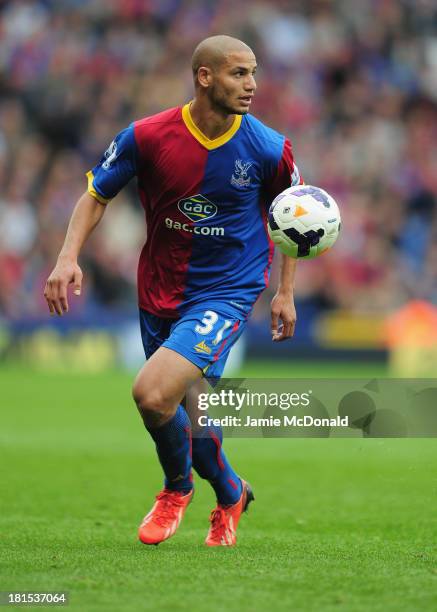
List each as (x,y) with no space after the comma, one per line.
(165,516)
(224,520)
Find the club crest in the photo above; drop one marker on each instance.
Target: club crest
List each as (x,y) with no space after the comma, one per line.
(240,176)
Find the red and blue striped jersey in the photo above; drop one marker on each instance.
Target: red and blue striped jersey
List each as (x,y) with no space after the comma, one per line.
(206,204)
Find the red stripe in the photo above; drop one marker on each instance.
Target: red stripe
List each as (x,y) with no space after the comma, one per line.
(190,439)
(233,483)
(264,214)
(218,447)
(222,345)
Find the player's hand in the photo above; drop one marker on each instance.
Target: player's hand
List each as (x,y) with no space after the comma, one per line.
(283,317)
(66,272)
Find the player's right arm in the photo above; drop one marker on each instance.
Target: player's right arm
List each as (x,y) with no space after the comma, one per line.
(86,215)
(283,311)
(117,166)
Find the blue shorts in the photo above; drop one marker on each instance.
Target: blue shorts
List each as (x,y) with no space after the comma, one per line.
(202,336)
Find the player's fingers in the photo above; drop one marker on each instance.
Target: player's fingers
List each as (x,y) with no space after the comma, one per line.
(57,306)
(77,282)
(63,301)
(48,294)
(290,333)
(284,333)
(275,323)
(277,334)
(55,291)
(50,305)
(54,306)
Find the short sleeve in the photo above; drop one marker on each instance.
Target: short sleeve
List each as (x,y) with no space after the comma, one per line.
(285,174)
(115,169)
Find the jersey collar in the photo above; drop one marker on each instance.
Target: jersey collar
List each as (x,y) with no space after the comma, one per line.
(200,136)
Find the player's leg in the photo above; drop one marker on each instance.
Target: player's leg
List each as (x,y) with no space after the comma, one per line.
(203,338)
(211,463)
(158,390)
(210,346)
(209,459)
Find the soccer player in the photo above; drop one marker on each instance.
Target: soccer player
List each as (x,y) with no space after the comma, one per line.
(206,173)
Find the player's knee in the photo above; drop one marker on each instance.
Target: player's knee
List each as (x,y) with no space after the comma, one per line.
(150,402)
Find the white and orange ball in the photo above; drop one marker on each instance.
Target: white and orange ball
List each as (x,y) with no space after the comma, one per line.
(304,221)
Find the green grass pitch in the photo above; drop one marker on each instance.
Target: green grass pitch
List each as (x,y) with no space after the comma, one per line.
(338,524)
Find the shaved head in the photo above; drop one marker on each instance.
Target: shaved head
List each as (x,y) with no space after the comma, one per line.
(213,51)
(224,75)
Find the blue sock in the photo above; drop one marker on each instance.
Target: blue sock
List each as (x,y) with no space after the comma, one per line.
(173,445)
(210,463)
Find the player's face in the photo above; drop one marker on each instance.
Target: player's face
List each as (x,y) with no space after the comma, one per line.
(233,85)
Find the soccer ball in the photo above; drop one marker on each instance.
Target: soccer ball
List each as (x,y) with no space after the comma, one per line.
(304,221)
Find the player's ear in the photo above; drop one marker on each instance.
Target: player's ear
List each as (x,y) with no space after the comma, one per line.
(204,76)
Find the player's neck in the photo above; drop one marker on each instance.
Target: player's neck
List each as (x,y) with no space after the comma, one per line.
(209,121)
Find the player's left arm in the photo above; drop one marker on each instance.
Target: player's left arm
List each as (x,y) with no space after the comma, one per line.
(282,307)
(283,311)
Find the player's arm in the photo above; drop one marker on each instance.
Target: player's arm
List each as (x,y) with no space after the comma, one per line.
(282,306)
(283,311)
(86,215)
(117,166)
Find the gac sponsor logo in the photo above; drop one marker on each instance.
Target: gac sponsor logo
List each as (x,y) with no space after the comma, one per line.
(196,229)
(197,208)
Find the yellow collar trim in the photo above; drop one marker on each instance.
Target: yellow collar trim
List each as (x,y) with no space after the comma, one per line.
(200,136)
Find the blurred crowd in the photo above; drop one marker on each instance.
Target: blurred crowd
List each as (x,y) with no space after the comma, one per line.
(353,83)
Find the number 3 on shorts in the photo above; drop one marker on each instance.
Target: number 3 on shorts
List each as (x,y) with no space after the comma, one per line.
(210,318)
